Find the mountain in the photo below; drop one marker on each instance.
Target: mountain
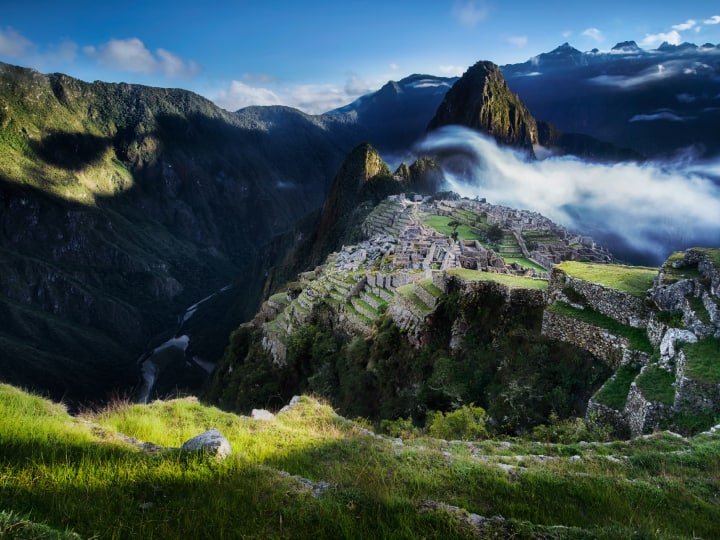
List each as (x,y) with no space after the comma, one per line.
(658,103)
(122,205)
(395,117)
(482,100)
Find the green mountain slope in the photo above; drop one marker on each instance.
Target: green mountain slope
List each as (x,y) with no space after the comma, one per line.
(121,205)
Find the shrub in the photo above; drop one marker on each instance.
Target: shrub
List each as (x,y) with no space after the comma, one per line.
(466,423)
(400,427)
(570,430)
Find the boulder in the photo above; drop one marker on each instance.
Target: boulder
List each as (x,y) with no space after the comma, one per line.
(212,442)
(262,414)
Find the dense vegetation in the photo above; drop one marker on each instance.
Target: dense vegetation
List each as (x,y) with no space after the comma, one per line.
(504,365)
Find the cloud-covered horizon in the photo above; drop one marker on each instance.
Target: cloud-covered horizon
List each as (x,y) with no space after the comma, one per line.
(645,211)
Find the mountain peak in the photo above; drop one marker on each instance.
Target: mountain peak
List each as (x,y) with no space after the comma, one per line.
(626,46)
(482,100)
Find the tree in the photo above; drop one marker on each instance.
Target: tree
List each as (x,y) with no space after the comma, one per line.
(494,234)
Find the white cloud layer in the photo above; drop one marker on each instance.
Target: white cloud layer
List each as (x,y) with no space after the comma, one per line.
(469,12)
(594,34)
(653,40)
(518,41)
(309,98)
(13,44)
(451,71)
(646,210)
(239,95)
(715,19)
(687,25)
(133,56)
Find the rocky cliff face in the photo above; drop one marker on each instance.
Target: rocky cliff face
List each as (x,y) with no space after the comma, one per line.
(482,100)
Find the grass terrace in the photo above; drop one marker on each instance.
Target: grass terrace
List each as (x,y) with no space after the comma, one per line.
(635,280)
(527,263)
(614,392)
(514,282)
(440,224)
(657,384)
(408,291)
(703,360)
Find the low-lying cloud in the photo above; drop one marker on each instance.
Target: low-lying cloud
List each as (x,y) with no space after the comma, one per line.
(641,211)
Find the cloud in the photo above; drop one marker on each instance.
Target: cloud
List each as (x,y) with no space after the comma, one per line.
(469,12)
(653,40)
(132,55)
(594,34)
(258,78)
(652,74)
(566,34)
(687,25)
(644,211)
(355,86)
(394,66)
(663,114)
(518,41)
(13,44)
(240,95)
(309,98)
(452,71)
(715,19)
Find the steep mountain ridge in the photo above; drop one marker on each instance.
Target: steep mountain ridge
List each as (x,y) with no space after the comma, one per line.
(122,205)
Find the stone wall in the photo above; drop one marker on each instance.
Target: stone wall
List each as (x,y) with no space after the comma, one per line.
(597,341)
(643,415)
(602,414)
(620,306)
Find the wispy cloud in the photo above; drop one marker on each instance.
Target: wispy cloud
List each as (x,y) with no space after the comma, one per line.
(645,210)
(13,44)
(653,40)
(715,19)
(650,75)
(394,67)
(239,95)
(594,34)
(309,98)
(663,114)
(450,70)
(469,12)
(687,25)
(518,41)
(133,56)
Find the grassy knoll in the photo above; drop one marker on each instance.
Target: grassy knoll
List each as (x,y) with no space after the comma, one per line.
(635,280)
(70,474)
(440,224)
(515,282)
(636,336)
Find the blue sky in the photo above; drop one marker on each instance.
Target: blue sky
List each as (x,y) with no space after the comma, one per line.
(320,55)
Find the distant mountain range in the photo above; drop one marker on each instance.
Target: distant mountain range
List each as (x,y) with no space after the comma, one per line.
(659,102)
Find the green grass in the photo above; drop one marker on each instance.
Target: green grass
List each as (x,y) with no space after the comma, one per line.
(67,474)
(614,392)
(408,291)
(636,336)
(657,385)
(427,284)
(527,263)
(697,305)
(713,254)
(703,360)
(635,280)
(508,280)
(440,224)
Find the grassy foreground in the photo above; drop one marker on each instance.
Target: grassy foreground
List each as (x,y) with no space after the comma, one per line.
(635,280)
(65,473)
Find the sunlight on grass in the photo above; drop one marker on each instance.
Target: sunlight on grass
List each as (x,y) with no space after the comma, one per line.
(511,281)
(635,280)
